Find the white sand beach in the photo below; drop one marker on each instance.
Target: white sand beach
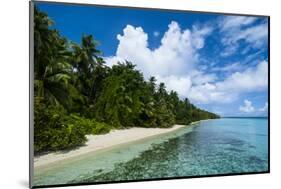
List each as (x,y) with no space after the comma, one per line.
(101,142)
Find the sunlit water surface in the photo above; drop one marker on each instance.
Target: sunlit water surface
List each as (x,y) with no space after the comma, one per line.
(221,146)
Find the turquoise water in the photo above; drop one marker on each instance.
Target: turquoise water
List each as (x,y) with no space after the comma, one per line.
(222,146)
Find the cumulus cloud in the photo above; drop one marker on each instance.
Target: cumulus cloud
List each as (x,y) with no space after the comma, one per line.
(176,54)
(176,63)
(180,84)
(247,107)
(173,62)
(240,28)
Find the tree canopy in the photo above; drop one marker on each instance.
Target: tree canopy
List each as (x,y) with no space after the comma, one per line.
(77,94)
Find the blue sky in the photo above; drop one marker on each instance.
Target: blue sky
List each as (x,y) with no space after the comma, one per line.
(219,62)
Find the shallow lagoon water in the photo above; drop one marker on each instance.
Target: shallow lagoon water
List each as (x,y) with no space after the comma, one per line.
(221,146)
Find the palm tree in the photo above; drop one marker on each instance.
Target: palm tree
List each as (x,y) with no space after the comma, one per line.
(53,84)
(51,67)
(85,55)
(85,62)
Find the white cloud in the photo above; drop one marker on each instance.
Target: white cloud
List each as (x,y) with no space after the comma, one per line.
(112,60)
(237,28)
(228,68)
(198,35)
(265,108)
(156,33)
(229,49)
(250,80)
(210,93)
(229,22)
(180,84)
(256,35)
(201,78)
(175,62)
(176,54)
(247,107)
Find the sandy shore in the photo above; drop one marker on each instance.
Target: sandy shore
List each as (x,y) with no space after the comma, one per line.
(100,142)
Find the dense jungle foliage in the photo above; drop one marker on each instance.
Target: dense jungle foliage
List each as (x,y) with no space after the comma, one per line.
(76,94)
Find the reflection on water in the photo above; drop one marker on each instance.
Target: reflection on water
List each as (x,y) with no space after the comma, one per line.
(211,147)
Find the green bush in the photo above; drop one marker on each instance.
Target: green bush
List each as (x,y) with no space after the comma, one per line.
(90,126)
(100,128)
(55,130)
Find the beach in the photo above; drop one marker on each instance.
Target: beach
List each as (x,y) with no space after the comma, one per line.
(102,142)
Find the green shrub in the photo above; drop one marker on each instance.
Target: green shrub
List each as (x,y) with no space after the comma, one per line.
(90,126)
(100,128)
(55,130)
(83,123)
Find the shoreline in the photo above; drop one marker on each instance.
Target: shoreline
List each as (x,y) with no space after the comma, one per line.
(97,143)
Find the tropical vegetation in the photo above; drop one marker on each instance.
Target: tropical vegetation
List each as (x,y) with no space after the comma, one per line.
(76,93)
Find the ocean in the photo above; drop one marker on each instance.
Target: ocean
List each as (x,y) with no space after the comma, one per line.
(210,147)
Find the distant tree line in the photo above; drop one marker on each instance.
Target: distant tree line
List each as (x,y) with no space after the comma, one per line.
(76,94)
